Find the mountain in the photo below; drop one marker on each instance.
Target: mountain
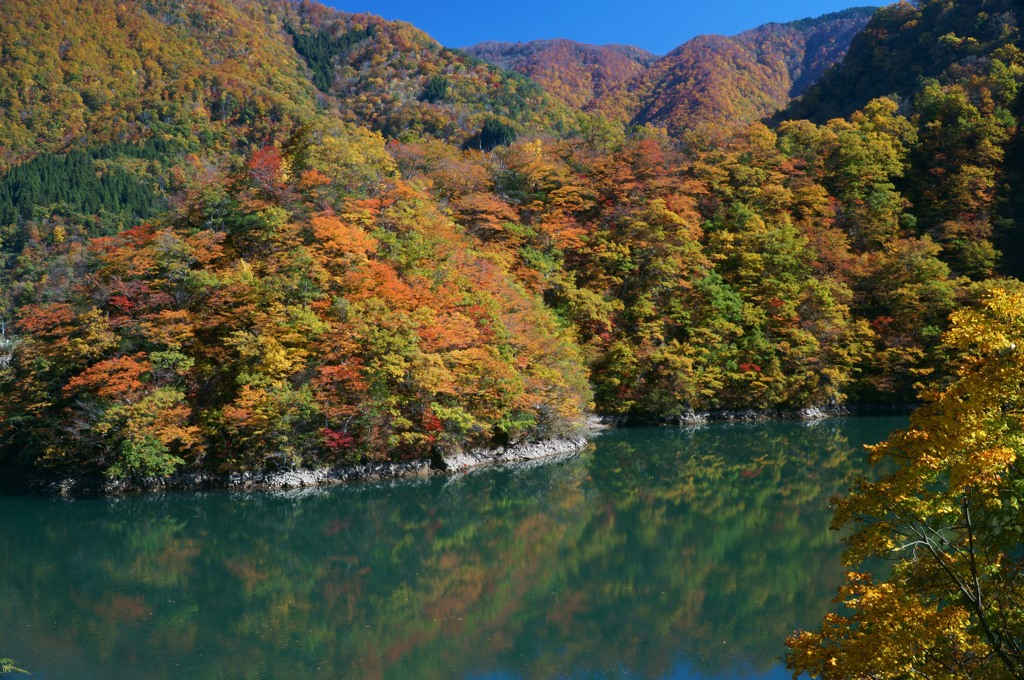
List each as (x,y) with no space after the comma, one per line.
(908,44)
(118,72)
(572,72)
(714,80)
(709,80)
(392,77)
(75,74)
(955,69)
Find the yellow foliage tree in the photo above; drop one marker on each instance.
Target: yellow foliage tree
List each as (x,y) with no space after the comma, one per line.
(949,515)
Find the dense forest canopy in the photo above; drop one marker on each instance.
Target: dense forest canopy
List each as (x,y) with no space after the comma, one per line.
(246,234)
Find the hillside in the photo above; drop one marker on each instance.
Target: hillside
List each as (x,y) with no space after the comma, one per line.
(77,74)
(392,77)
(711,80)
(904,46)
(203,266)
(572,72)
(714,80)
(954,68)
(73,75)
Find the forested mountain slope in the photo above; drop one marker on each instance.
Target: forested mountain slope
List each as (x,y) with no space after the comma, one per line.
(954,68)
(392,77)
(714,80)
(709,81)
(75,74)
(908,44)
(572,72)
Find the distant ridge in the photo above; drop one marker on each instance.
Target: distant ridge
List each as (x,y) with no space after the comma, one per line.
(709,80)
(572,72)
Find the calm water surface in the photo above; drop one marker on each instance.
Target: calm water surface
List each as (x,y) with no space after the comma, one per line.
(658,553)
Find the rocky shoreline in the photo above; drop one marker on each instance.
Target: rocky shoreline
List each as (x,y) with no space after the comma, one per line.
(518,453)
(451,463)
(809,414)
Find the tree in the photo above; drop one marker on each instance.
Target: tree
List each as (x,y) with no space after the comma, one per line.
(496,133)
(957,174)
(435,90)
(869,154)
(949,516)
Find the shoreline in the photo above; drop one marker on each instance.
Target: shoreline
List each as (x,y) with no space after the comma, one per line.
(754,415)
(451,464)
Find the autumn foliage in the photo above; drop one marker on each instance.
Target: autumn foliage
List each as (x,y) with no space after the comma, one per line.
(948,518)
(277,243)
(271,322)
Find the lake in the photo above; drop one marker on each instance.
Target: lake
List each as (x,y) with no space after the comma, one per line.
(656,553)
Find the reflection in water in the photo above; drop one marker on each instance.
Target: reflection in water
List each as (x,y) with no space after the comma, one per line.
(658,553)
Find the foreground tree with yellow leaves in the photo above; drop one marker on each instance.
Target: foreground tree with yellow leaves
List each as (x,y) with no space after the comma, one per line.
(949,514)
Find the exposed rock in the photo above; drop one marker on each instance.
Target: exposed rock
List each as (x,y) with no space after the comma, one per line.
(290,479)
(234,481)
(451,462)
(458,461)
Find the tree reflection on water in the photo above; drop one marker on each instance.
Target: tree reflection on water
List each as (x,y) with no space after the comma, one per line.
(656,550)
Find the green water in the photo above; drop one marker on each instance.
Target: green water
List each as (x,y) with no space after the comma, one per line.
(656,553)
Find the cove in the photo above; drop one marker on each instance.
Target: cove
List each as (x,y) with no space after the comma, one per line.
(655,553)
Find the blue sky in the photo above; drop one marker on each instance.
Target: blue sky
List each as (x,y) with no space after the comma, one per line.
(655,25)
